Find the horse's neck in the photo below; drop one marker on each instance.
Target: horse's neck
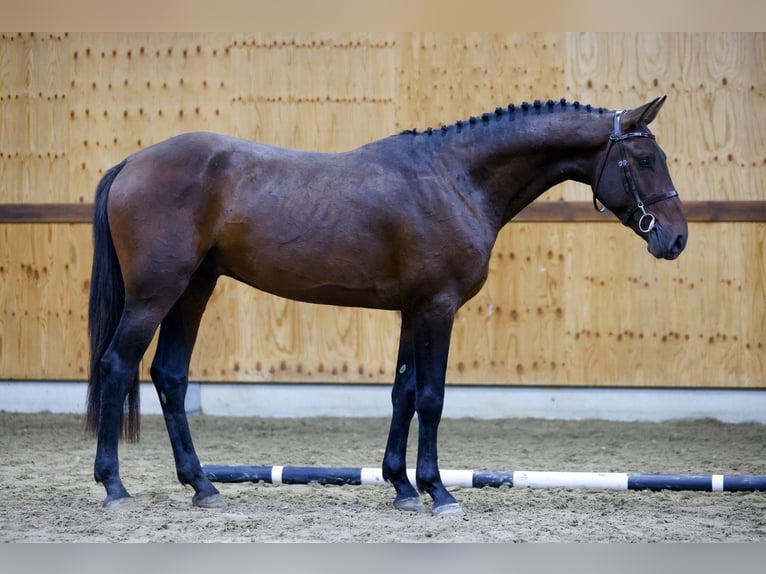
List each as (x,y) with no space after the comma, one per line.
(514,160)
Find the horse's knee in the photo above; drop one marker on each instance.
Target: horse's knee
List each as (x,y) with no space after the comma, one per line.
(429,405)
(161,375)
(403,397)
(169,384)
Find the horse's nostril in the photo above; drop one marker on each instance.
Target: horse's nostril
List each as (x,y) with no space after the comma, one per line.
(679,244)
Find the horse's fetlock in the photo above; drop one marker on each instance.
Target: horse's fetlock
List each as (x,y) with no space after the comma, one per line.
(392,471)
(427,482)
(189,473)
(104,471)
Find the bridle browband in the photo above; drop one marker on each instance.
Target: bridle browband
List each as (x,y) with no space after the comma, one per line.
(647,220)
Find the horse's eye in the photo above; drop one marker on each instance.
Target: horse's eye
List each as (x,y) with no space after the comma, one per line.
(645,162)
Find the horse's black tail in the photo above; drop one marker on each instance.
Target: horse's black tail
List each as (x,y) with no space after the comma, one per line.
(107,299)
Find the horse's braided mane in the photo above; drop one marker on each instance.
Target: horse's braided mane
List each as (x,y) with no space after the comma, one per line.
(500,112)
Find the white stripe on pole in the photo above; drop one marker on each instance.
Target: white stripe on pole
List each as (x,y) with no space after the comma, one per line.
(601,480)
(717,483)
(457,478)
(276,474)
(450,477)
(372,476)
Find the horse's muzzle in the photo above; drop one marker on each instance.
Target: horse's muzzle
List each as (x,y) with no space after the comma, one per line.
(666,246)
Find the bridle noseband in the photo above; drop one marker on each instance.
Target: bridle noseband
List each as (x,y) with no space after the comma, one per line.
(647,220)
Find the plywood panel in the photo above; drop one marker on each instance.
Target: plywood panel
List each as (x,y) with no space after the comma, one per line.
(44,282)
(33,106)
(716,87)
(565,304)
(71,105)
(305,92)
(587,306)
(265,338)
(450,76)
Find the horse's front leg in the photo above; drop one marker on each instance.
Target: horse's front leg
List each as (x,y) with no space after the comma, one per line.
(432,331)
(403,401)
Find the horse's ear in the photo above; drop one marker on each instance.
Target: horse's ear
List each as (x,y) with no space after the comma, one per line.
(633,119)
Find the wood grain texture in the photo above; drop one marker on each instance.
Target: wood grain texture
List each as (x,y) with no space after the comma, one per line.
(44,282)
(567,302)
(73,105)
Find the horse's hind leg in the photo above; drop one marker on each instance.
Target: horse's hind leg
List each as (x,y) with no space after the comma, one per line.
(403,400)
(119,368)
(170,373)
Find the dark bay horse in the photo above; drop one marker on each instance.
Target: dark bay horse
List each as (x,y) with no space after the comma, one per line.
(405,223)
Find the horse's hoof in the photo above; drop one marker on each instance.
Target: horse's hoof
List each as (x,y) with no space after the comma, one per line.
(451,509)
(211,501)
(118,502)
(409,504)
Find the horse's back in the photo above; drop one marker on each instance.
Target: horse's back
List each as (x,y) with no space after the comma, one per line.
(354,228)
(205,179)
(268,215)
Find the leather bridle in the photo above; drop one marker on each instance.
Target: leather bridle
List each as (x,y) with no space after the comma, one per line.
(647,220)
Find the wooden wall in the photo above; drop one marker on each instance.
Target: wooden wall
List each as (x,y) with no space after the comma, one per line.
(567,303)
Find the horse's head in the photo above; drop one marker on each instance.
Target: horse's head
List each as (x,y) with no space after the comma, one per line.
(633,182)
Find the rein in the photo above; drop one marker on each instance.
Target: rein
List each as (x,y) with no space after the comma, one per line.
(647,220)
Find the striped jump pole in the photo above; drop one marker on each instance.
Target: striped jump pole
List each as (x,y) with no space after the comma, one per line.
(493,478)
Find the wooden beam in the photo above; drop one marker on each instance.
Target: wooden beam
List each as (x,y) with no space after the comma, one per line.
(725,210)
(541,211)
(46,213)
